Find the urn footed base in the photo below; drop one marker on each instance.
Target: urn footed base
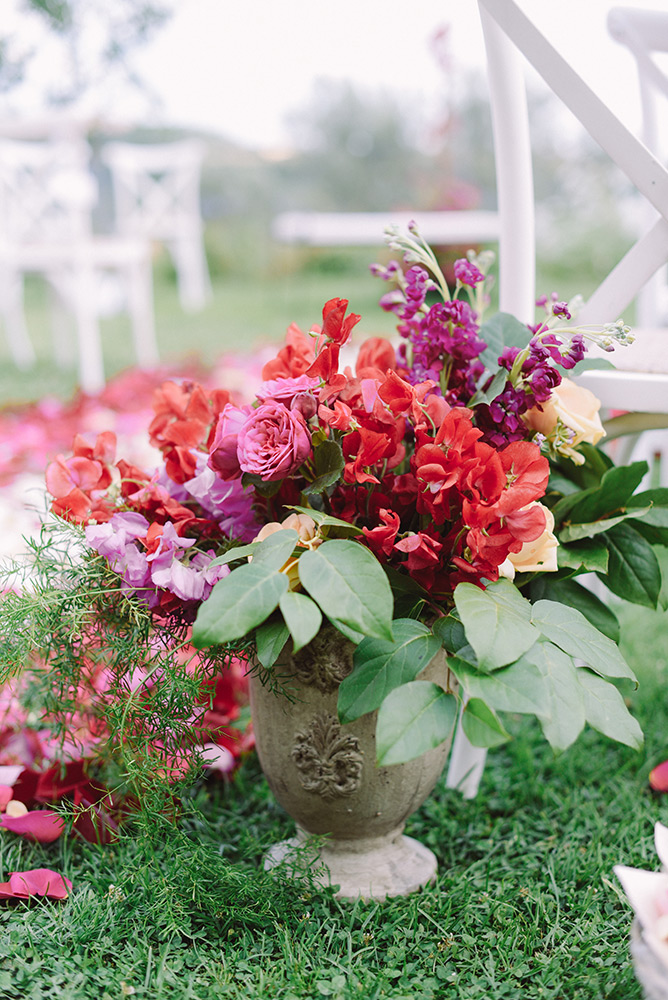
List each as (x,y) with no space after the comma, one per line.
(370,868)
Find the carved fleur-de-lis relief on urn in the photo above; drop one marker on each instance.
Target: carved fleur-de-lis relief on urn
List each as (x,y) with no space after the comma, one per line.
(322,664)
(330,761)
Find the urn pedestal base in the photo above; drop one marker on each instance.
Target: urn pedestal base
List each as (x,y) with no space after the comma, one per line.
(369,867)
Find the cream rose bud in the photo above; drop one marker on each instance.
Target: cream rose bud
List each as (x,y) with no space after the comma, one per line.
(305,527)
(539,555)
(576,407)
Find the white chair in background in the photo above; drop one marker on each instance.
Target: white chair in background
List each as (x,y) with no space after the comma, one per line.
(46,199)
(157,196)
(640,383)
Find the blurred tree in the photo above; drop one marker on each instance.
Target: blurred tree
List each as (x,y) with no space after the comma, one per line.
(95,39)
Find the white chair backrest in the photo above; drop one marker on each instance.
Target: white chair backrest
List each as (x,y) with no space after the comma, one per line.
(506,28)
(46,191)
(645,32)
(156,187)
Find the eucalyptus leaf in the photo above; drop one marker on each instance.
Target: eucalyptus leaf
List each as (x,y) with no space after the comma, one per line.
(497,621)
(481,725)
(302,617)
(380,666)
(349,584)
(563,717)
(413,718)
(606,711)
(569,629)
(237,604)
(270,638)
(633,570)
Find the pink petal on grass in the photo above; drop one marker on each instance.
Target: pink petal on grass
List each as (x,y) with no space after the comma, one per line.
(658,777)
(6,793)
(36,882)
(43,825)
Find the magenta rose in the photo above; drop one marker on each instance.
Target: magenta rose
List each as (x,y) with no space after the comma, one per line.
(223,457)
(273,442)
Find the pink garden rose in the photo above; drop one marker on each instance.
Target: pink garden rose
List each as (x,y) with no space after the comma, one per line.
(273,442)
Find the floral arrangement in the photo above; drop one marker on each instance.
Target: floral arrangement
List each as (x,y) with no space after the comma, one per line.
(647,892)
(446,493)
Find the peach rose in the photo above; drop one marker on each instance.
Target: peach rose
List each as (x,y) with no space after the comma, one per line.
(539,556)
(568,418)
(307,530)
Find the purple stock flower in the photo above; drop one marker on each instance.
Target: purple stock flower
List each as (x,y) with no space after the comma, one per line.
(467,273)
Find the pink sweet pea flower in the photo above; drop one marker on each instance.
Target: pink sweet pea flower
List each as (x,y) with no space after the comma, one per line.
(36,882)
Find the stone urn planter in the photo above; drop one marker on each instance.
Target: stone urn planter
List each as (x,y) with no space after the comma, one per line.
(324,774)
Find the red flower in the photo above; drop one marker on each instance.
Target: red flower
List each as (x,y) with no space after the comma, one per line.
(423,556)
(527,473)
(77,483)
(381,538)
(293,359)
(397,394)
(336,326)
(374,358)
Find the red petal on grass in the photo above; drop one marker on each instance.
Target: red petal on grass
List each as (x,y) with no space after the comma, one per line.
(658,777)
(36,882)
(42,825)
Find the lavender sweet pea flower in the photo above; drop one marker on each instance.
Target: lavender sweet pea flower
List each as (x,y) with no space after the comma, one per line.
(227,501)
(112,538)
(273,442)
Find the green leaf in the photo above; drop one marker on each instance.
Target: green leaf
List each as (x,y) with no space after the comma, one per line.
(563,717)
(353,634)
(502,330)
(237,552)
(481,725)
(275,550)
(633,570)
(574,532)
(349,584)
(606,711)
(657,502)
(517,688)
(414,718)
(451,633)
(560,483)
(380,666)
(617,485)
(237,604)
(302,617)
(569,629)
(327,521)
(262,486)
(270,638)
(328,462)
(497,622)
(496,387)
(588,553)
(574,595)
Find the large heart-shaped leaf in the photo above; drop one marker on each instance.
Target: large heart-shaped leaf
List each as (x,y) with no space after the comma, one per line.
(413,718)
(349,584)
(380,666)
(562,718)
(238,603)
(518,688)
(497,621)
(481,725)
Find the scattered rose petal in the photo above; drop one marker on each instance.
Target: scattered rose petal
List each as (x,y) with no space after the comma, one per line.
(42,825)
(658,777)
(35,882)
(6,794)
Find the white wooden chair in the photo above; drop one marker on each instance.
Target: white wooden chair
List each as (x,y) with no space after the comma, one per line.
(46,199)
(157,196)
(640,383)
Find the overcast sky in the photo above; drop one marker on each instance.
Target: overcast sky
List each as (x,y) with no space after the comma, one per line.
(237,67)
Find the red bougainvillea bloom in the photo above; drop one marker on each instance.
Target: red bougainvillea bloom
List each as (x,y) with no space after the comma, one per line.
(658,777)
(336,326)
(42,825)
(36,882)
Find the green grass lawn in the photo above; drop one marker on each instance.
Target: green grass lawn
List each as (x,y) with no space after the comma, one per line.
(526,904)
